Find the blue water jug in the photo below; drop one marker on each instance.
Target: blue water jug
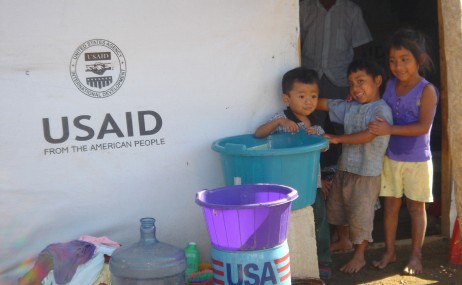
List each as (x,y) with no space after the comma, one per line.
(149,261)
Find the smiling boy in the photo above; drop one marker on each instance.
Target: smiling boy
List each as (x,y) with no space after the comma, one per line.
(356,185)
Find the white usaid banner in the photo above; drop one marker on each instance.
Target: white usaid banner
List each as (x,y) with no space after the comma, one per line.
(108,110)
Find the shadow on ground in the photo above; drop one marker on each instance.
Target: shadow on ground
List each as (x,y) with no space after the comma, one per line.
(437,269)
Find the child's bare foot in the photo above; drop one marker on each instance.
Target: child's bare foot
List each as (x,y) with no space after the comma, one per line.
(354,265)
(387,258)
(414,266)
(341,245)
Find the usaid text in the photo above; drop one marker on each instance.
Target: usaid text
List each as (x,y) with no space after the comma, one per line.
(86,128)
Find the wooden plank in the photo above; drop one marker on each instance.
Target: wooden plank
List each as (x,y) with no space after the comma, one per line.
(446,169)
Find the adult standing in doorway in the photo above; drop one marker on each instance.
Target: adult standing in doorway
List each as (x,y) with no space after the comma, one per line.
(332,32)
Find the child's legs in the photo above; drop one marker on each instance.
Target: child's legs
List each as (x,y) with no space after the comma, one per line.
(321,228)
(392,191)
(391,209)
(391,212)
(360,196)
(335,205)
(336,214)
(343,242)
(418,225)
(417,180)
(357,262)
(414,180)
(392,188)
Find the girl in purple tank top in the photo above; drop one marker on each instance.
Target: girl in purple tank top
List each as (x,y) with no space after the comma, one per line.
(407,166)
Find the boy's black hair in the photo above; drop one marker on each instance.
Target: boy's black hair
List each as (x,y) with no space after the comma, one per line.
(371,67)
(299,74)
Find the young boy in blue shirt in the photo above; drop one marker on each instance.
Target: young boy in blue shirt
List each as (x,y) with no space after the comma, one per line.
(300,87)
(356,185)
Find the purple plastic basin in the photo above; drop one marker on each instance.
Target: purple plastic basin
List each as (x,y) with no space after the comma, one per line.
(247,217)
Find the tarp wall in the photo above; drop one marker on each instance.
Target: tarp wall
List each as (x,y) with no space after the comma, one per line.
(108,110)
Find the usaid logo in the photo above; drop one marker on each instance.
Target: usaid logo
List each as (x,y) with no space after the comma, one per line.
(98,68)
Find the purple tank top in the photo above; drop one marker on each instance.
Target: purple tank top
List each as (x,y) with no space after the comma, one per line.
(406,111)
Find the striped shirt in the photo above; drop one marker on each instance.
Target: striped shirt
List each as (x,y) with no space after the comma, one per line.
(329,37)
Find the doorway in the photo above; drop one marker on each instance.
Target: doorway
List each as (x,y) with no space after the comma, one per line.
(384,17)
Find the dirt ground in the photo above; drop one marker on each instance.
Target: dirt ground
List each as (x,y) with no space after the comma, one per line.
(437,269)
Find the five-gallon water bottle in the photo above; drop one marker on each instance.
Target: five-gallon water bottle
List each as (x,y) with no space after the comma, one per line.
(192,259)
(149,261)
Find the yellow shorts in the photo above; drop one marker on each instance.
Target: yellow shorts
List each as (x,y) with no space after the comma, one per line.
(412,179)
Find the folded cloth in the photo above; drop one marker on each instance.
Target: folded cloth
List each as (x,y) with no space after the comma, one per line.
(103,244)
(62,258)
(85,274)
(100,240)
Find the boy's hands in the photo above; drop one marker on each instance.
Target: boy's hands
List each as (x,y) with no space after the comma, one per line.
(267,128)
(291,126)
(379,127)
(311,131)
(333,139)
